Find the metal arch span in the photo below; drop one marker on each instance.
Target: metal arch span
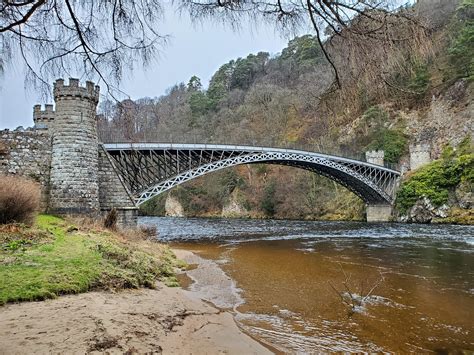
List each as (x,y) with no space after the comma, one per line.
(148,169)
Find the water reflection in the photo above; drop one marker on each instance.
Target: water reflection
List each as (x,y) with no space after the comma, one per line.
(289,272)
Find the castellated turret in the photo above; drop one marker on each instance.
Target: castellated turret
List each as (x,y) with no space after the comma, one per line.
(43,119)
(74,165)
(419,154)
(375,157)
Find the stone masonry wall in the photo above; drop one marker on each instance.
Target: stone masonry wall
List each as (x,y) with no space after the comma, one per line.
(27,153)
(112,193)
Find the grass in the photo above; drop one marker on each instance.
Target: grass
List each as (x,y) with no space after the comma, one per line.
(54,257)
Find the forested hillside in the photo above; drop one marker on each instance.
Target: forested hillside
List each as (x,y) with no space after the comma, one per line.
(416,87)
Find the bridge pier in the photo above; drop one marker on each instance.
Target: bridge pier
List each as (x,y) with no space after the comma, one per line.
(379,213)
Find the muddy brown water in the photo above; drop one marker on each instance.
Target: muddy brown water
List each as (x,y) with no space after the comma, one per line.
(339,286)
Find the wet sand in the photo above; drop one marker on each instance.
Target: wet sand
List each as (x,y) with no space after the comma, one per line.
(165,320)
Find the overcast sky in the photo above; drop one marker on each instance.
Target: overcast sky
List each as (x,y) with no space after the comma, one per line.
(192,50)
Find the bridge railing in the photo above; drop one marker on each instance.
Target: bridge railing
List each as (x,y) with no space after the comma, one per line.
(111,136)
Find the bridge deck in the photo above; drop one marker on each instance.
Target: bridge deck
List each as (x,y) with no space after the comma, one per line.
(222,147)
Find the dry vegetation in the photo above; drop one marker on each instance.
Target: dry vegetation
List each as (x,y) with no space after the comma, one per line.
(19,199)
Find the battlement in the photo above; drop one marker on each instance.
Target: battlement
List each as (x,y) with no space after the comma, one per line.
(43,118)
(420,148)
(375,157)
(375,154)
(420,154)
(74,90)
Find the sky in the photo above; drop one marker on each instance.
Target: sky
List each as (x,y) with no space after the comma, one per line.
(192,50)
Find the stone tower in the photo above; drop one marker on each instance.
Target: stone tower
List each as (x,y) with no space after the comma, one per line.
(419,155)
(74,187)
(375,157)
(43,119)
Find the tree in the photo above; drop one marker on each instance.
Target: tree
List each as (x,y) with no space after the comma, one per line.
(304,51)
(246,69)
(95,38)
(328,18)
(199,104)
(194,84)
(103,37)
(268,203)
(219,86)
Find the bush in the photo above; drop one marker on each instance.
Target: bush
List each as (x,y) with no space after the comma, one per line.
(110,220)
(437,179)
(268,203)
(393,142)
(19,199)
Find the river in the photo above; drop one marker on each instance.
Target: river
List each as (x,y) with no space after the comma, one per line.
(304,286)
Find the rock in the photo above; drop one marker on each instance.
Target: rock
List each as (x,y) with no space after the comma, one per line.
(424,211)
(234,207)
(465,195)
(420,213)
(456,92)
(442,211)
(173,207)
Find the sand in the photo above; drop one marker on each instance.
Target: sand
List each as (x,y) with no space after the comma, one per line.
(165,320)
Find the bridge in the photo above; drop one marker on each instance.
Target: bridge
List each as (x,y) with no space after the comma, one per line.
(79,174)
(148,169)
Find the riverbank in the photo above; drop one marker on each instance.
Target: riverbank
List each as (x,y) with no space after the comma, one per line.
(140,321)
(116,314)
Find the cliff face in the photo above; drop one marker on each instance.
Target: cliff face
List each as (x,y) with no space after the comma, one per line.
(413,93)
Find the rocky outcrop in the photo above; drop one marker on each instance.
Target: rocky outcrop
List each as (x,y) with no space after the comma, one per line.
(465,195)
(424,212)
(173,207)
(234,208)
(448,119)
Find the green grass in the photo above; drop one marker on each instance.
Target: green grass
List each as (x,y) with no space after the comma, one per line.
(64,260)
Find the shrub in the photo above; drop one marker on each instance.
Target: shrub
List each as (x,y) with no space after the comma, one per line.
(268,203)
(437,179)
(229,181)
(393,142)
(110,220)
(375,116)
(19,199)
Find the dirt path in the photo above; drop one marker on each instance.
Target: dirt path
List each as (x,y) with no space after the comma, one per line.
(166,320)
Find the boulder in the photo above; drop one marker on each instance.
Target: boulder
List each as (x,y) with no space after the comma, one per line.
(173,207)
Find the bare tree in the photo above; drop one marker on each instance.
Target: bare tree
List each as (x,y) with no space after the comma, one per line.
(94,38)
(101,38)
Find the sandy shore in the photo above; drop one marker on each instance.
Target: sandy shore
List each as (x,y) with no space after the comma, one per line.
(165,320)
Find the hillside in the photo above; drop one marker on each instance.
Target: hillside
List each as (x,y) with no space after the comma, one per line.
(416,89)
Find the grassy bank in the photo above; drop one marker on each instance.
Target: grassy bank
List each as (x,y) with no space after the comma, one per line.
(56,256)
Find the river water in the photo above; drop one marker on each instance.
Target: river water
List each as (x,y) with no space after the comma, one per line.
(303,286)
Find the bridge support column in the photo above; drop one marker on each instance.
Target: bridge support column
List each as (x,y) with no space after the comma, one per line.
(113,193)
(379,213)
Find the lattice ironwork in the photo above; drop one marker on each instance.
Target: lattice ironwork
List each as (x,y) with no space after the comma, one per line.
(148,169)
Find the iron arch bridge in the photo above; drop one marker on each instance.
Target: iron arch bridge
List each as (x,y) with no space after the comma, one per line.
(148,169)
